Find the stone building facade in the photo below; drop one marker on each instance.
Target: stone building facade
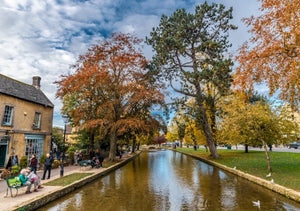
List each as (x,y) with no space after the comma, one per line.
(26,116)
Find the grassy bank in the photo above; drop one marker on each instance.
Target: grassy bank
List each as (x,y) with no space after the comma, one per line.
(285,165)
(66,180)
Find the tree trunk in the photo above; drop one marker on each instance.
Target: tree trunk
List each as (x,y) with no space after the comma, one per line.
(92,138)
(213,120)
(138,145)
(246,148)
(268,157)
(180,143)
(206,127)
(113,147)
(133,144)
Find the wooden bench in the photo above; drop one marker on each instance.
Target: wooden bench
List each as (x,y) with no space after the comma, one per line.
(13,183)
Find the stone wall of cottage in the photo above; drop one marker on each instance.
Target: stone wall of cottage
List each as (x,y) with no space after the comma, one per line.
(22,123)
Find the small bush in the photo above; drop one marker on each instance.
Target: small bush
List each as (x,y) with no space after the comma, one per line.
(56,164)
(5,174)
(24,162)
(71,149)
(71,157)
(84,151)
(15,169)
(42,159)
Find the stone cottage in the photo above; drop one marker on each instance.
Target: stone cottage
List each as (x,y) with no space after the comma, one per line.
(26,116)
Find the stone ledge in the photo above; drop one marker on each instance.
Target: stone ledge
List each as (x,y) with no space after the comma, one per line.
(51,196)
(287,192)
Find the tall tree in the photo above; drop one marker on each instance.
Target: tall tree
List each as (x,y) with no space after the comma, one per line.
(190,49)
(111,88)
(57,134)
(256,124)
(273,55)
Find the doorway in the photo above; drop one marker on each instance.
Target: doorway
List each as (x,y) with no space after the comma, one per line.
(3,150)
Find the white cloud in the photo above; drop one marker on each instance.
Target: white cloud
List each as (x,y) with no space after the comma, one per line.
(45,37)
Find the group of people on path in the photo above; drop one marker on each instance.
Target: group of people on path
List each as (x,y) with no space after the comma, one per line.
(29,177)
(95,158)
(78,156)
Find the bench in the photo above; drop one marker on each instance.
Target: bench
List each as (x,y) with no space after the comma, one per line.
(85,163)
(13,182)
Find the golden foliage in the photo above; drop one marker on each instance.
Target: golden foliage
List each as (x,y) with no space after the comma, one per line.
(273,54)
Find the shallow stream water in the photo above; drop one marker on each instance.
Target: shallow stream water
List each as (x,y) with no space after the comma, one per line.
(167,180)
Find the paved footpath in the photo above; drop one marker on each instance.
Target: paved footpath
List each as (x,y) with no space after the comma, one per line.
(8,203)
(54,174)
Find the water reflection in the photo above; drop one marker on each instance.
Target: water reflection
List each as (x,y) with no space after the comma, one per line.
(167,180)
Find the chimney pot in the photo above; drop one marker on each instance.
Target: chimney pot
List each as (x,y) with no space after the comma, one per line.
(36,82)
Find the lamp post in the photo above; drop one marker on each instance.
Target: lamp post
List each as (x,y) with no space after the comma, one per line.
(66,120)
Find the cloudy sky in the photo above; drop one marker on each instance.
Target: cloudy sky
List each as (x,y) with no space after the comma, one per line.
(44,37)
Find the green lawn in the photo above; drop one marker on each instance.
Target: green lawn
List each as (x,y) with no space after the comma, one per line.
(66,180)
(285,165)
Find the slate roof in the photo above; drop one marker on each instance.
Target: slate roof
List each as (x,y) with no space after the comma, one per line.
(14,88)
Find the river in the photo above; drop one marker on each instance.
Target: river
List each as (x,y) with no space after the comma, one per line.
(167,180)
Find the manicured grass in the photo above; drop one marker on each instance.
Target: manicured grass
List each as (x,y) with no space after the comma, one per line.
(66,180)
(107,164)
(285,165)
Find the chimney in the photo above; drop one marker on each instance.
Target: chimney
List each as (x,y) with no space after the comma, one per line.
(36,82)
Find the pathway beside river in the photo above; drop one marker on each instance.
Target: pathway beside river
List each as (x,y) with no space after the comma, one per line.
(8,203)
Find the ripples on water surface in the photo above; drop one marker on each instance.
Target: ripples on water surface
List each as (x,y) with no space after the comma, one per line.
(167,180)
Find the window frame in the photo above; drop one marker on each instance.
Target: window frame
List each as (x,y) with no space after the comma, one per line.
(11,115)
(37,125)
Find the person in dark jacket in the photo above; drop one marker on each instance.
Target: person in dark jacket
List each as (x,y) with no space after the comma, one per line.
(99,157)
(92,154)
(33,163)
(47,166)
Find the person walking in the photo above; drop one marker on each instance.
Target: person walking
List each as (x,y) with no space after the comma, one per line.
(76,157)
(33,163)
(58,154)
(47,166)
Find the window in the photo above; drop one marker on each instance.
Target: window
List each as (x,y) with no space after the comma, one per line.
(34,145)
(37,120)
(8,116)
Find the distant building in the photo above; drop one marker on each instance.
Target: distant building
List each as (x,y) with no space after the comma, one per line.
(70,135)
(26,116)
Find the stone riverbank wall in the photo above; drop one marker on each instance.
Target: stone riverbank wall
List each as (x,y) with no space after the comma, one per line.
(287,192)
(52,196)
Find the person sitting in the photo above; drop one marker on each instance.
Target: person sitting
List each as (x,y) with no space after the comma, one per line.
(93,162)
(25,181)
(34,180)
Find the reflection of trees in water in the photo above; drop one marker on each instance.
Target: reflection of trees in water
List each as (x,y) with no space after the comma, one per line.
(171,181)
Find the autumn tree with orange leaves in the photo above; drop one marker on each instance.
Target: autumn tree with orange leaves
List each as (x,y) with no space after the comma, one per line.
(272,56)
(111,90)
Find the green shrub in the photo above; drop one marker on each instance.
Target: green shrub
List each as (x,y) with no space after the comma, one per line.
(42,159)
(71,149)
(71,156)
(24,162)
(84,151)
(15,169)
(56,164)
